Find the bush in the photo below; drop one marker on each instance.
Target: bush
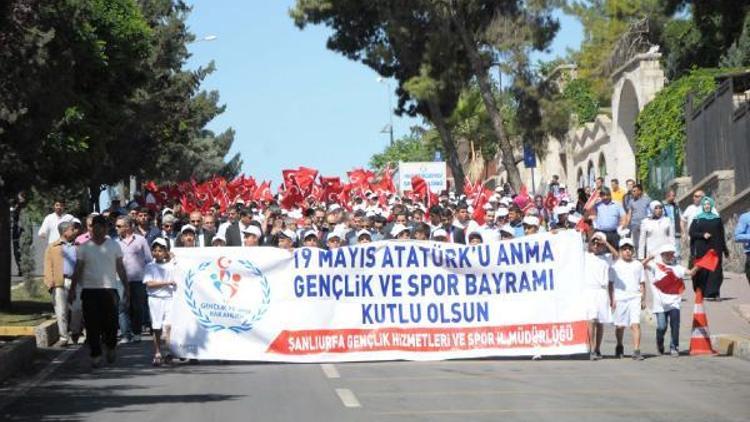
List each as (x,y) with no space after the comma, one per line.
(580,95)
(661,123)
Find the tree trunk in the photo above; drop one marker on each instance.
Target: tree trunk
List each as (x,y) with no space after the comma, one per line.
(5,252)
(485,89)
(451,153)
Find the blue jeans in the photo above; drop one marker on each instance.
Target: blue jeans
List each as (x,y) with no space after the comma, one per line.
(673,318)
(131,314)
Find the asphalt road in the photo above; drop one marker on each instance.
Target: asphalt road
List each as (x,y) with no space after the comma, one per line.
(575,389)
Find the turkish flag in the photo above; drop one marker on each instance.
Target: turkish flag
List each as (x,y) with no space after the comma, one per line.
(419,186)
(305,178)
(669,283)
(361,178)
(709,261)
(263,193)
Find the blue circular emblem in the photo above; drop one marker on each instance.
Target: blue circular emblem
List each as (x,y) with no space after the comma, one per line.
(234,294)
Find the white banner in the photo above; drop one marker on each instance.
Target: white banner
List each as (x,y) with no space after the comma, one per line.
(380,301)
(434,173)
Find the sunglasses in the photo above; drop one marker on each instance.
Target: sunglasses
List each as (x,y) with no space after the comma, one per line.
(166,225)
(195,221)
(120,226)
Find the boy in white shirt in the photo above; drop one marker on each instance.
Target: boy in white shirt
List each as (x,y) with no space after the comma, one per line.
(629,284)
(598,291)
(666,281)
(160,282)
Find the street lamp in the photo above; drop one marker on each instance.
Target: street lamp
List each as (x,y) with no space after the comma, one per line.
(207,38)
(389,127)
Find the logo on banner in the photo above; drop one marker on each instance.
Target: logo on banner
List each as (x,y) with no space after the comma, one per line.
(233,295)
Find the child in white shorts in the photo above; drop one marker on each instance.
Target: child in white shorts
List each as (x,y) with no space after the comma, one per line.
(629,284)
(598,291)
(160,282)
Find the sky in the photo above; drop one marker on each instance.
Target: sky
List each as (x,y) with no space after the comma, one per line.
(291,101)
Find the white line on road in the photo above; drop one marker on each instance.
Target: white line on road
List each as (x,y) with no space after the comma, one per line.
(347,397)
(24,387)
(330,370)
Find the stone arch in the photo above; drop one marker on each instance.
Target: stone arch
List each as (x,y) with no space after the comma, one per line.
(602,165)
(628,109)
(579,178)
(590,174)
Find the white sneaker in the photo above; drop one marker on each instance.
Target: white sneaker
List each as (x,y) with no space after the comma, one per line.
(63,342)
(536,357)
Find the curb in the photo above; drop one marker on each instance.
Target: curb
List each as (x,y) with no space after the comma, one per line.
(732,345)
(17,355)
(47,333)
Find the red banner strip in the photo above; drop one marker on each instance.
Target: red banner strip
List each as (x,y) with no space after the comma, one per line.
(312,342)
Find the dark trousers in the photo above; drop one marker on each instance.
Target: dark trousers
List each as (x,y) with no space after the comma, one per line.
(100,316)
(612,237)
(747,267)
(671,318)
(138,305)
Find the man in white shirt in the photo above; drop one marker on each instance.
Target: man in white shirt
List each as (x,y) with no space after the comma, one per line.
(99,271)
(628,279)
(48,230)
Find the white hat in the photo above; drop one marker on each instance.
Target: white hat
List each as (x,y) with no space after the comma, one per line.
(289,234)
(398,229)
(309,233)
(501,212)
(253,230)
(506,201)
(531,220)
(160,241)
(561,210)
(599,235)
(488,207)
(498,189)
(364,232)
(75,221)
(188,227)
(574,218)
(508,229)
(626,241)
(219,237)
(666,248)
(333,234)
(334,207)
(561,186)
(239,201)
(166,211)
(494,198)
(439,233)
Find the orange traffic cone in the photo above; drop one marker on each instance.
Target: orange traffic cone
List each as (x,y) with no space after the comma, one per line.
(700,342)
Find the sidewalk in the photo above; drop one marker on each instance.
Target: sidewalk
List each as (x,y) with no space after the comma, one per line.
(723,317)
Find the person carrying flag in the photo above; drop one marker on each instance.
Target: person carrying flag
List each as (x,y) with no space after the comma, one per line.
(667,285)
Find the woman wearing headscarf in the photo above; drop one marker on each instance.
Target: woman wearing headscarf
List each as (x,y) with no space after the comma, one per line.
(707,232)
(656,231)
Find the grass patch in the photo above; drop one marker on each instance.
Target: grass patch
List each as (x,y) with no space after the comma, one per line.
(30,305)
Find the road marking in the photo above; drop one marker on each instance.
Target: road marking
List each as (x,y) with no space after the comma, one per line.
(484,375)
(330,370)
(347,397)
(25,386)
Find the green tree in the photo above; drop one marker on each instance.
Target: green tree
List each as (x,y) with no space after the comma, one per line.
(413,147)
(61,62)
(435,48)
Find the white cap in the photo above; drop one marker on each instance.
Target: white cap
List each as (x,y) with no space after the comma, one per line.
(508,229)
(219,237)
(599,235)
(561,186)
(254,230)
(334,207)
(531,220)
(289,234)
(239,201)
(439,233)
(626,241)
(166,211)
(333,234)
(561,210)
(398,229)
(488,207)
(506,201)
(160,241)
(498,189)
(309,233)
(501,212)
(188,227)
(364,232)
(666,248)
(494,198)
(75,221)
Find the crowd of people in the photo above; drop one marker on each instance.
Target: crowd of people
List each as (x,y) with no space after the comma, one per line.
(112,270)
